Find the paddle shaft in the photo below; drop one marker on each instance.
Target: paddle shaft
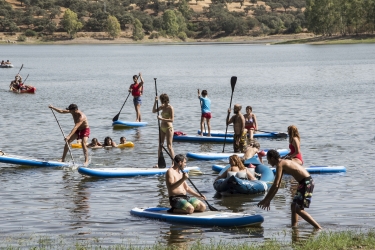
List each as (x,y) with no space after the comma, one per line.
(117,116)
(208,204)
(161,156)
(20,69)
(67,143)
(233,83)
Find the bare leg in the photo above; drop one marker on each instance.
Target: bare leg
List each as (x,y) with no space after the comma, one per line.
(209,126)
(85,151)
(66,148)
(293,207)
(189,210)
(306,216)
(138,112)
(251,134)
(201,207)
(202,124)
(169,136)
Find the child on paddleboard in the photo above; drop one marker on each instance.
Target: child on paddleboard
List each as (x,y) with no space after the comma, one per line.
(206,111)
(251,123)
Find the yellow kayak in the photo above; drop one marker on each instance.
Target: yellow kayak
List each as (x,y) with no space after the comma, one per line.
(125,145)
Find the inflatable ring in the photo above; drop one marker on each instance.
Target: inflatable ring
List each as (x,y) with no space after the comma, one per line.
(127,144)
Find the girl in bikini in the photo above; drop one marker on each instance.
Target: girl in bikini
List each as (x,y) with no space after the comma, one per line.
(251,123)
(166,126)
(294,145)
(108,142)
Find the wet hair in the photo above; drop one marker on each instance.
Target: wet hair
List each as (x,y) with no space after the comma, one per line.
(293,132)
(72,107)
(234,160)
(255,144)
(272,153)
(135,77)
(121,138)
(179,157)
(249,107)
(164,98)
(94,140)
(204,92)
(106,141)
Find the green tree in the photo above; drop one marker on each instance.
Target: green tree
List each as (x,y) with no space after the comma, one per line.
(138,30)
(70,23)
(170,24)
(112,27)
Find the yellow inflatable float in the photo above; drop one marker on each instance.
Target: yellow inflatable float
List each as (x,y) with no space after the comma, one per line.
(128,144)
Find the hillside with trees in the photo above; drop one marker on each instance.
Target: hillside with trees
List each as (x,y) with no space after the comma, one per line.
(181,19)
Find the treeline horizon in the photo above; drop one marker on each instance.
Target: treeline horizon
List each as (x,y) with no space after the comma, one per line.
(177,19)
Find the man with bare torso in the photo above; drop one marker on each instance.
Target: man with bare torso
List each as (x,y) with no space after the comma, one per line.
(178,188)
(81,129)
(302,199)
(239,137)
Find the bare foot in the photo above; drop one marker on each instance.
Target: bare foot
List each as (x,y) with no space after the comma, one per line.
(156,166)
(209,135)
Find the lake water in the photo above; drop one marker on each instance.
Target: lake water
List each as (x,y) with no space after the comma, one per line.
(326,91)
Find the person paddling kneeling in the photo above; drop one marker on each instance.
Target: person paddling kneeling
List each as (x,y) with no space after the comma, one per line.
(178,188)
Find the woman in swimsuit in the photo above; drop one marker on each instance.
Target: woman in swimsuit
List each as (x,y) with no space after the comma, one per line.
(294,145)
(94,143)
(236,168)
(251,123)
(166,118)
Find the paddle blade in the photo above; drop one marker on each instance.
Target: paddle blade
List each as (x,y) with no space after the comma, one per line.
(211,207)
(233,81)
(161,161)
(116,117)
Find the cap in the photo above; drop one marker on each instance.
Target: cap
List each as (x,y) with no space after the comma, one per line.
(72,107)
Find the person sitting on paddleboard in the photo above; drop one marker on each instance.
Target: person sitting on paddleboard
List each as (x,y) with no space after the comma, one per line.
(177,187)
(206,111)
(239,137)
(81,129)
(294,145)
(302,199)
(137,90)
(251,123)
(122,140)
(108,142)
(94,143)
(166,126)
(251,150)
(2,63)
(236,168)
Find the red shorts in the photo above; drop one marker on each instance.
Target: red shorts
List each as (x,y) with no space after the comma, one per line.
(250,127)
(82,133)
(207,115)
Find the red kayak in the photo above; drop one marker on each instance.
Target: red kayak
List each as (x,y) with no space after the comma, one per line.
(29,89)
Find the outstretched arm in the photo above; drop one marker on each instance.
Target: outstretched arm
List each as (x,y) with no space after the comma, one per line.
(265,203)
(62,111)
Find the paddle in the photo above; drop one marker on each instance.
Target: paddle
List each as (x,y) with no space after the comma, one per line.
(118,115)
(161,160)
(233,81)
(278,134)
(64,136)
(208,204)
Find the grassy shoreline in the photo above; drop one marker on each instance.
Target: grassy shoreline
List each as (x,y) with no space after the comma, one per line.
(100,38)
(322,240)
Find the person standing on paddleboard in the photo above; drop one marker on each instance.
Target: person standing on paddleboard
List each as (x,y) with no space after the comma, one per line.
(239,137)
(206,111)
(81,129)
(302,199)
(137,90)
(177,187)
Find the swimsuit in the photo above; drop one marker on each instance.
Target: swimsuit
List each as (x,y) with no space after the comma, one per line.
(292,150)
(165,115)
(182,202)
(239,142)
(304,192)
(136,93)
(249,124)
(82,133)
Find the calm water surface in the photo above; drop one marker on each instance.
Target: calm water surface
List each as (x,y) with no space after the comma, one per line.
(326,91)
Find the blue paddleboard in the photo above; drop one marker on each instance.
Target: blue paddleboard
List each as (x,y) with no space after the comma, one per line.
(218,133)
(19,160)
(207,218)
(127,124)
(126,172)
(198,138)
(224,156)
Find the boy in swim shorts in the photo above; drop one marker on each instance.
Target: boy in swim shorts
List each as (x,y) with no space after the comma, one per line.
(302,199)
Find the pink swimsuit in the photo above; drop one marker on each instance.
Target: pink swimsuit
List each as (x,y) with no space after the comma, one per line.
(292,150)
